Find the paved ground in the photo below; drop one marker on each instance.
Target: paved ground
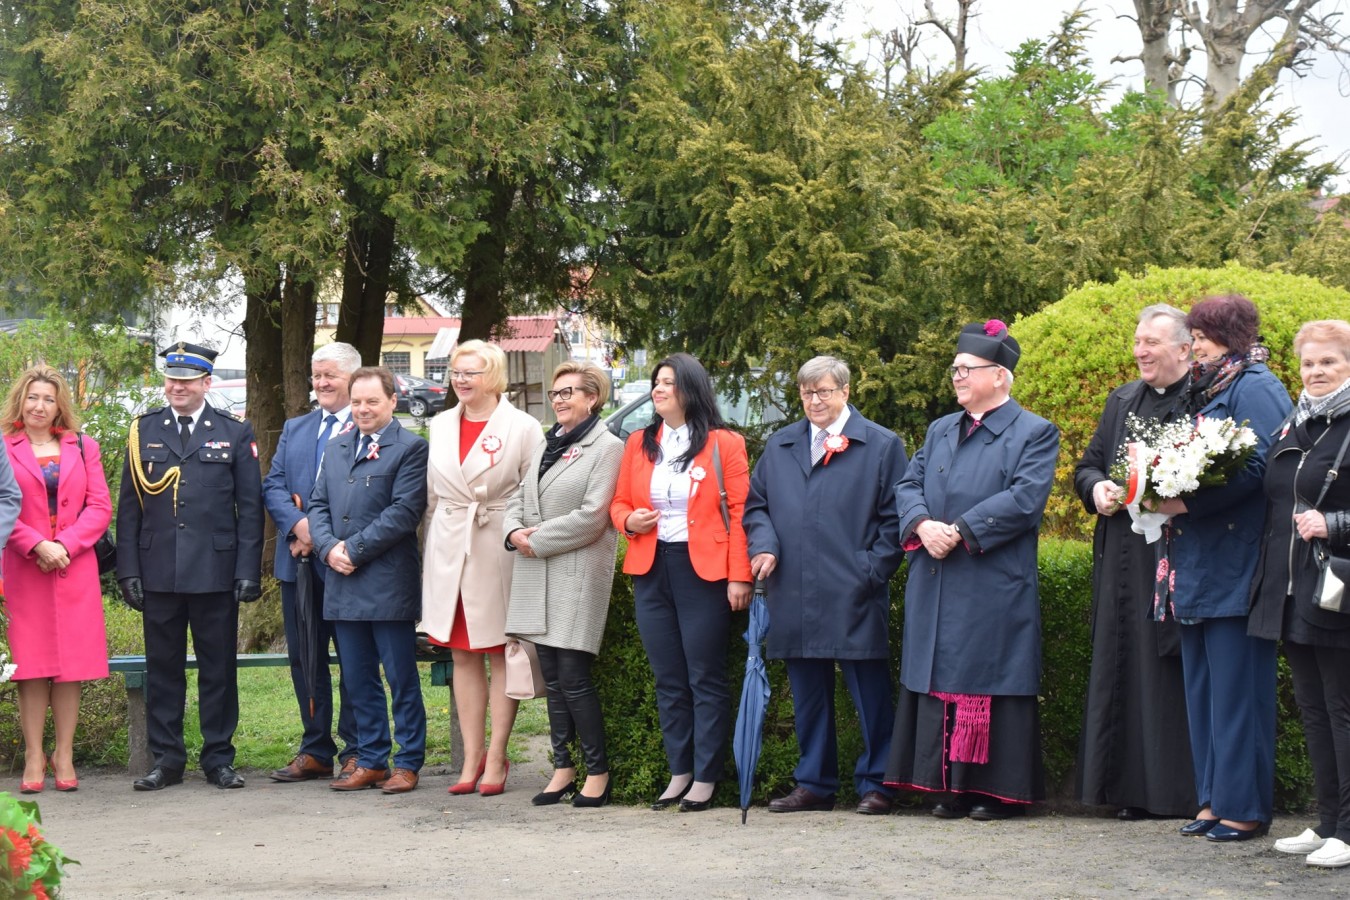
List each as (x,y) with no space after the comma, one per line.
(303,840)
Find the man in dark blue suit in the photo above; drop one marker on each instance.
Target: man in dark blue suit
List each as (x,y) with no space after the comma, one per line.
(189,551)
(286,490)
(364,514)
(823,530)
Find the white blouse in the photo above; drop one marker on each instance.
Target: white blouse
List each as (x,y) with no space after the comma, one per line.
(670,489)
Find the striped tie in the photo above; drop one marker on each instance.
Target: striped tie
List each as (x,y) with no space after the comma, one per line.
(818,446)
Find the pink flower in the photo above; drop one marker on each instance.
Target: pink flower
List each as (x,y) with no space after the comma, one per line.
(1162,570)
(1172,581)
(994,328)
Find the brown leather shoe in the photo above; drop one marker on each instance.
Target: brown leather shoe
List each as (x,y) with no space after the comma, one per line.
(874,803)
(303,768)
(402,781)
(360,779)
(348,768)
(801,800)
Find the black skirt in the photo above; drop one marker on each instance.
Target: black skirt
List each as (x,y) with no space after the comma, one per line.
(920,749)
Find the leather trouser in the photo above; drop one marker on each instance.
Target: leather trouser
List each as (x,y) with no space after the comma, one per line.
(573,708)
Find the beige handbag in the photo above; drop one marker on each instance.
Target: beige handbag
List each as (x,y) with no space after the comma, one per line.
(524,678)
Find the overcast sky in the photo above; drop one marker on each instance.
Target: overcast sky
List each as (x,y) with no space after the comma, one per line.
(1321,99)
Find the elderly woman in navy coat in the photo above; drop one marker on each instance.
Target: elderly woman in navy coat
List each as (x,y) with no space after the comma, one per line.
(364,513)
(1209,554)
(970,507)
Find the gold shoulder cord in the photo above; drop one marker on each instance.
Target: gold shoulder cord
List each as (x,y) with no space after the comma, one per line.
(142,484)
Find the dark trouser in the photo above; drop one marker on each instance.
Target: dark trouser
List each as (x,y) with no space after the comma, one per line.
(364,646)
(869,683)
(214,620)
(317,739)
(573,708)
(1230,705)
(685,623)
(1322,687)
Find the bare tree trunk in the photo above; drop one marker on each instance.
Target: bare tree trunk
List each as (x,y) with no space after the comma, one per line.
(297,343)
(485,307)
(1155,25)
(366,266)
(263,362)
(1226,30)
(954,31)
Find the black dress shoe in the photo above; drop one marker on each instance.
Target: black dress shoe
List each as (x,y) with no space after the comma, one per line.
(667,802)
(158,779)
(1198,828)
(1223,834)
(1132,813)
(581,800)
(993,810)
(551,798)
(874,803)
(695,805)
(802,800)
(225,777)
(957,807)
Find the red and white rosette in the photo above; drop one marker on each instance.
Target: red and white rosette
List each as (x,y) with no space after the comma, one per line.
(696,476)
(491,445)
(835,443)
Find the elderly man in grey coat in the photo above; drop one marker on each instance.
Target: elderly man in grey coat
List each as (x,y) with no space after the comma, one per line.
(970,666)
(558,523)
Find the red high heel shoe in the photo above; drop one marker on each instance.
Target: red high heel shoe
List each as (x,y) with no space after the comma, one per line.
(35,787)
(67,786)
(468,787)
(492,790)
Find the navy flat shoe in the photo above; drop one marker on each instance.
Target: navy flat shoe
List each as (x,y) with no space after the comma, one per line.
(1198,827)
(1224,834)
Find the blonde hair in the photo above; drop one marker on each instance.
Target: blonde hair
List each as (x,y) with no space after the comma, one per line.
(1324,331)
(494,363)
(11,420)
(594,381)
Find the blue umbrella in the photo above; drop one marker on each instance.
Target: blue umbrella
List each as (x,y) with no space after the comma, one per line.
(749,738)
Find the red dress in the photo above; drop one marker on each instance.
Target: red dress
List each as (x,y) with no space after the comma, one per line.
(459,632)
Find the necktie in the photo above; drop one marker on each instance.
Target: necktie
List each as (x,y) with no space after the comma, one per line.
(325,433)
(818,446)
(974,423)
(184,430)
(364,447)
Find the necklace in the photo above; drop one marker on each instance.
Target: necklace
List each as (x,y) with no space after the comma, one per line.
(49,440)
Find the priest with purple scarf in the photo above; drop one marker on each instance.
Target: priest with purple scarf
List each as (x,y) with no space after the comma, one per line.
(970,507)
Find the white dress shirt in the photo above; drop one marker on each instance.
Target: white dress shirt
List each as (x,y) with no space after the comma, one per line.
(670,489)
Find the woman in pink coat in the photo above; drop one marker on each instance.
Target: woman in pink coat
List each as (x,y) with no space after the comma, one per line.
(52,594)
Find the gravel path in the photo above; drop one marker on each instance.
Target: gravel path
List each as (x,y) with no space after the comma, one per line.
(303,840)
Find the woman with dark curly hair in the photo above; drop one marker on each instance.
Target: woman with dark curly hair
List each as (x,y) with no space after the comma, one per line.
(690,568)
(1210,547)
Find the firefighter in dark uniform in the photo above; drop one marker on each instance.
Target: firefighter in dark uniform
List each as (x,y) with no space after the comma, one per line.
(189,551)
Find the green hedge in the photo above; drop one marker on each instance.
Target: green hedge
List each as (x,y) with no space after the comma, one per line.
(637,759)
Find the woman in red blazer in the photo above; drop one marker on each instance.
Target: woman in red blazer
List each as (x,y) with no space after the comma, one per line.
(690,568)
(52,590)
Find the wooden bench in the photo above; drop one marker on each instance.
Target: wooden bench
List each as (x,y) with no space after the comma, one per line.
(133,670)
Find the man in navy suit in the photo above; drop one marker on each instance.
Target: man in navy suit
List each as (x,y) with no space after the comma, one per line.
(286,491)
(364,514)
(189,551)
(823,532)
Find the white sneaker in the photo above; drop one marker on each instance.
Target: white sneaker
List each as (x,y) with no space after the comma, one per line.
(1306,842)
(1332,855)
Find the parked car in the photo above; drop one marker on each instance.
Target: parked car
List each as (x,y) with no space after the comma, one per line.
(418,397)
(229,394)
(752,412)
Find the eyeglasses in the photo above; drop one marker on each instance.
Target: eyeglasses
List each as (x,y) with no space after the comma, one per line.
(457,375)
(560,394)
(819,393)
(964,371)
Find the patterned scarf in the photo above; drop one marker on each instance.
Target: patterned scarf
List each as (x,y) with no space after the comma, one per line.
(1309,407)
(556,441)
(1208,380)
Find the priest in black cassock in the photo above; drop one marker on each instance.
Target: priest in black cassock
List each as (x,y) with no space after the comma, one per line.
(1135,754)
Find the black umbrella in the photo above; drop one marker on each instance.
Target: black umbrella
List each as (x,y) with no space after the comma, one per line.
(309,654)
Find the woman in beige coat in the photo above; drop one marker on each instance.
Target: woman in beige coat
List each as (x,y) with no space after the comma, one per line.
(480,450)
(559,525)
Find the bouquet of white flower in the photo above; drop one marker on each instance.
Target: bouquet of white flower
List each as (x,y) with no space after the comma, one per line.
(1160,462)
